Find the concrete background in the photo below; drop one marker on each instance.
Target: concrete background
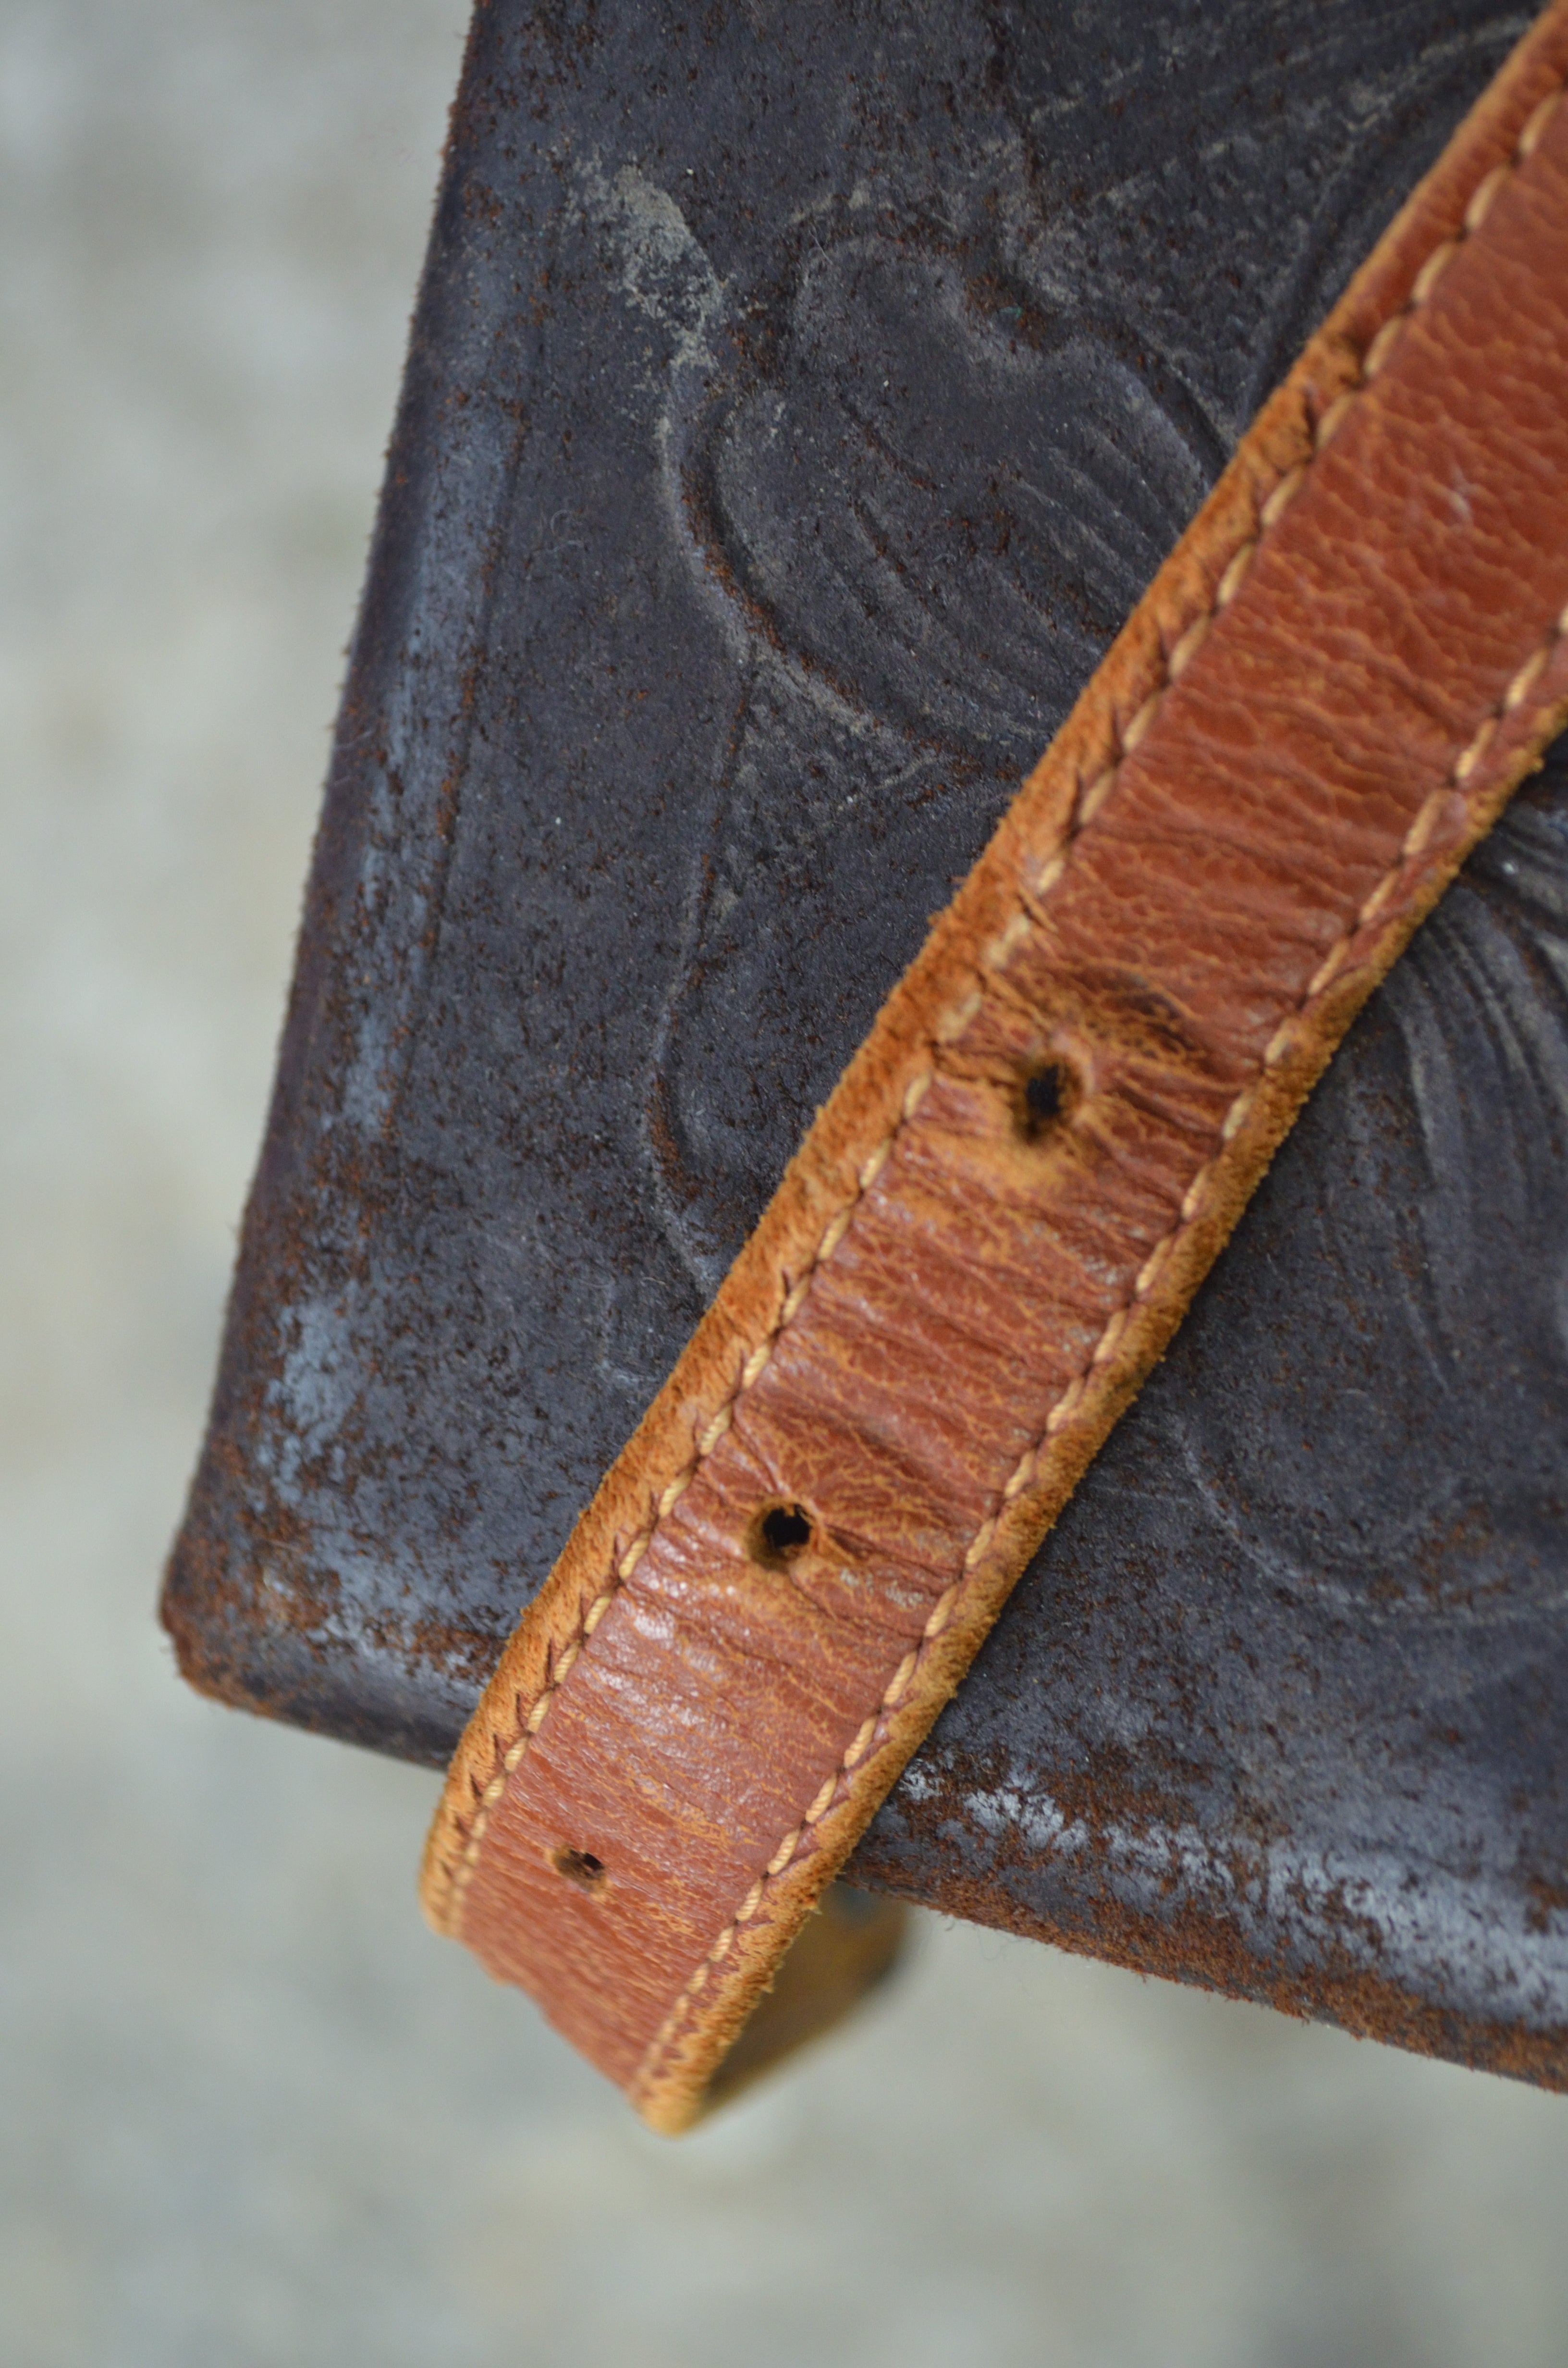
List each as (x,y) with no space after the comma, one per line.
(250,2112)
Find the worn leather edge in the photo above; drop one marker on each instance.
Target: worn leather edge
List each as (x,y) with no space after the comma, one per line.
(1115,713)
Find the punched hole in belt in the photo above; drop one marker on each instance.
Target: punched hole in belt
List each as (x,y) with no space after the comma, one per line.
(779,1533)
(581,1867)
(1048,1096)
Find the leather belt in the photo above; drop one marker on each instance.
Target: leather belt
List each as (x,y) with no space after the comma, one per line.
(1325,698)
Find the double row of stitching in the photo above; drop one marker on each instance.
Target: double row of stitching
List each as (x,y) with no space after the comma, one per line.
(1048,869)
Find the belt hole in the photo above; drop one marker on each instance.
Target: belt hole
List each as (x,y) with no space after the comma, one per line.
(1045,1099)
(581,1867)
(779,1533)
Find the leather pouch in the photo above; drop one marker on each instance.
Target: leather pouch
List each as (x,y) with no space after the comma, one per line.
(789,425)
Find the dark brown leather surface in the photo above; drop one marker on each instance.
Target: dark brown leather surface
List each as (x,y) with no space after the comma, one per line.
(637,807)
(662,739)
(1322,701)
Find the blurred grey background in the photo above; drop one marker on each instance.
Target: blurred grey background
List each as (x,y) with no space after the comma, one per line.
(250,2111)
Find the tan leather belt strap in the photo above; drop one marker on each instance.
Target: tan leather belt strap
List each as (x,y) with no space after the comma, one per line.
(992,1230)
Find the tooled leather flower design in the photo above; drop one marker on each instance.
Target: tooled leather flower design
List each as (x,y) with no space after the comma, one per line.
(929,514)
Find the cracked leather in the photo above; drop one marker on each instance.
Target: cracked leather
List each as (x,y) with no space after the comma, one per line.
(793,413)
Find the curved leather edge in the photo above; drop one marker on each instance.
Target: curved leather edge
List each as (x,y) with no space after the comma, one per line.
(666,2059)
